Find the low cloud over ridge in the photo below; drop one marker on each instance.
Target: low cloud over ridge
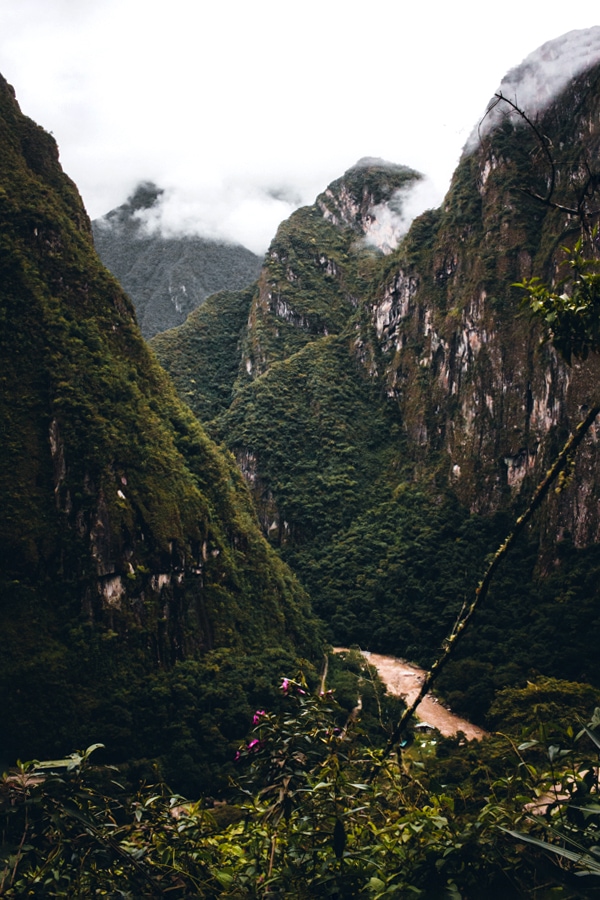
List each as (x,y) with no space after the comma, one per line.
(541,77)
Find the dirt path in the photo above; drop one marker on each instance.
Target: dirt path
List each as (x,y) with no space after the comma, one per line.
(403,680)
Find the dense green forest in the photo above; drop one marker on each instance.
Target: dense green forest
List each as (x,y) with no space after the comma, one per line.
(354,437)
(314,811)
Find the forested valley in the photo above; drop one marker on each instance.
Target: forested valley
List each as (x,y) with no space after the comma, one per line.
(345,452)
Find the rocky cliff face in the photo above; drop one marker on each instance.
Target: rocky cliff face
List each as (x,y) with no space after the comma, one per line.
(166,277)
(312,282)
(463,362)
(439,320)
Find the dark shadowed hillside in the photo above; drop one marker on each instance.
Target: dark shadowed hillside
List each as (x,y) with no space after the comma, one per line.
(129,546)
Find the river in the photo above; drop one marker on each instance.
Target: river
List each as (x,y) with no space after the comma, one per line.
(404,679)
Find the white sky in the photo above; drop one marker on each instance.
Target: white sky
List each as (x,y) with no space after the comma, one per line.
(244,110)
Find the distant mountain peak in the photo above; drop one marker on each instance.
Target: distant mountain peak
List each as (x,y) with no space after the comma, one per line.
(365,188)
(376,162)
(145,196)
(166,277)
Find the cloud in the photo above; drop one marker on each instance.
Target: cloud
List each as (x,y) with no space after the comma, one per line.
(243,110)
(249,213)
(391,220)
(541,77)
(236,211)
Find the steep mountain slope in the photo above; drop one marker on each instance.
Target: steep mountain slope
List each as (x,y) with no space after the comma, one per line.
(316,270)
(204,353)
(166,277)
(393,410)
(306,425)
(322,446)
(128,544)
(468,371)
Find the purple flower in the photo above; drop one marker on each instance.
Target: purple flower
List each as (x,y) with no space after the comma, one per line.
(254,745)
(285,685)
(258,716)
(237,756)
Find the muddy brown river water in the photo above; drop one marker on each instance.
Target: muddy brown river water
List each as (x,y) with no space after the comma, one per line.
(404,679)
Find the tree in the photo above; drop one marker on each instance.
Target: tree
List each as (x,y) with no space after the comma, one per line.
(569,311)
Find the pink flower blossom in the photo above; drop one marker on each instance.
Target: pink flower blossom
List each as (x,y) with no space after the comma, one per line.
(254,745)
(285,685)
(258,716)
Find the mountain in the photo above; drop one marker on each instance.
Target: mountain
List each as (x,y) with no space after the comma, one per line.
(166,277)
(309,288)
(138,594)
(393,407)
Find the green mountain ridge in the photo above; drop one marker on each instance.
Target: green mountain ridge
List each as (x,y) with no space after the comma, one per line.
(129,545)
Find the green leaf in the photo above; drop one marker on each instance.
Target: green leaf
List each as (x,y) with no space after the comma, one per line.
(553,752)
(592,866)
(592,736)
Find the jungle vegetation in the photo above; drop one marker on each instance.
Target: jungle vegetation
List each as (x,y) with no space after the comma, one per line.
(146,616)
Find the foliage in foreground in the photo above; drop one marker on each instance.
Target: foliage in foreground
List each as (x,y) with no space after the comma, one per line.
(568,310)
(314,813)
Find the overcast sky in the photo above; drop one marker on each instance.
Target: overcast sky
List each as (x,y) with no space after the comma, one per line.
(244,110)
